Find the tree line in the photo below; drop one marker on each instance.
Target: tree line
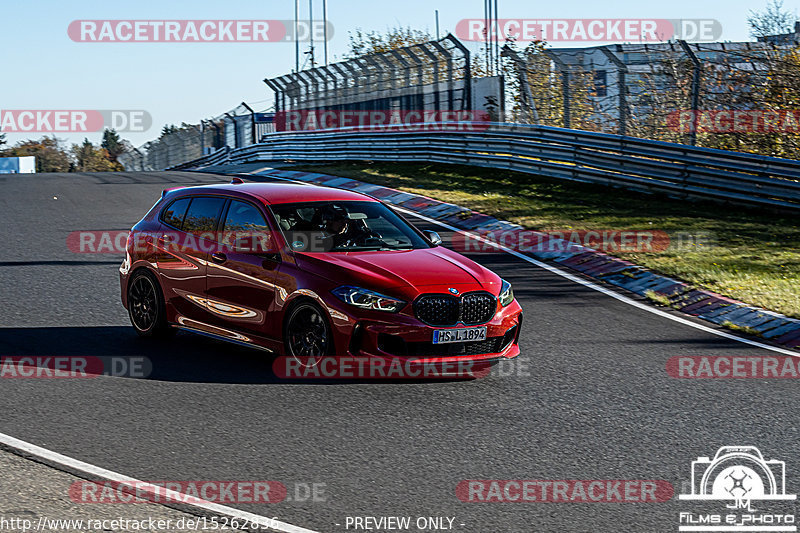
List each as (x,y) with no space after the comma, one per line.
(53,155)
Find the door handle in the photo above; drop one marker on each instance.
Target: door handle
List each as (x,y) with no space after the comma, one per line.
(270,261)
(219,257)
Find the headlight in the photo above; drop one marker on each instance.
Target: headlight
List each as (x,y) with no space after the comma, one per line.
(506,293)
(366,299)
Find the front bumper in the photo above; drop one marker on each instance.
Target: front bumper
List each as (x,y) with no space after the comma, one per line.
(402,336)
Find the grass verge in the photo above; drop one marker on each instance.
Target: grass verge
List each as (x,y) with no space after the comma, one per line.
(741,329)
(745,254)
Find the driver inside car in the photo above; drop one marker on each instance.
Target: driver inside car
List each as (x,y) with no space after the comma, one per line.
(342,231)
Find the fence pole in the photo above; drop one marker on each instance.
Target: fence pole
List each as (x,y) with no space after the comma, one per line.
(252,122)
(235,130)
(696,66)
(622,89)
(565,90)
(218,136)
(325,29)
(296,32)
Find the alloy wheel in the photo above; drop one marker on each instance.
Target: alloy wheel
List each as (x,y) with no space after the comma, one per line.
(307,335)
(143,303)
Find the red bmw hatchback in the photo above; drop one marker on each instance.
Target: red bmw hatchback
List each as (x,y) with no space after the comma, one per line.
(309,271)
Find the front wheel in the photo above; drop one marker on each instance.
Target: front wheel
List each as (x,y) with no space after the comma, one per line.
(307,334)
(146,306)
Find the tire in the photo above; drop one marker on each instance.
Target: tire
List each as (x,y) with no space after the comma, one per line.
(146,308)
(307,334)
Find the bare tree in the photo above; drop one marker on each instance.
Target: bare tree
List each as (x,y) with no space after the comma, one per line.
(372,42)
(773,20)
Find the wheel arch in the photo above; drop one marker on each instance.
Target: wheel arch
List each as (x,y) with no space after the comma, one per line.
(143,267)
(149,269)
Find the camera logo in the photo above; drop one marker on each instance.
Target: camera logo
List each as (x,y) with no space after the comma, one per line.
(738,476)
(738,473)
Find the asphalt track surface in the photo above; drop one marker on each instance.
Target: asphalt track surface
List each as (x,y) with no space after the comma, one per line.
(589,397)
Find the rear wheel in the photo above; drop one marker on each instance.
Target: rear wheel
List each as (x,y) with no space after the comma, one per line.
(307,336)
(146,306)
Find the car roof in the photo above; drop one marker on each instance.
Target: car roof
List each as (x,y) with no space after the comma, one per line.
(282,192)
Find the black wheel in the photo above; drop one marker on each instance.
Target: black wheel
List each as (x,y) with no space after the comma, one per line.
(146,306)
(307,334)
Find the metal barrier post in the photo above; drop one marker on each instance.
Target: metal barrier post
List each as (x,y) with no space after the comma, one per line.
(252,123)
(622,88)
(696,66)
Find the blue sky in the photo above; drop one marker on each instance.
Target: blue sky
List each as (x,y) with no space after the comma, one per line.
(175,82)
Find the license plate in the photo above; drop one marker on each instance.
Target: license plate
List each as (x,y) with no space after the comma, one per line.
(444,336)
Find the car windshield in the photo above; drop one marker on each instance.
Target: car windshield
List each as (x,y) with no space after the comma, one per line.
(345,227)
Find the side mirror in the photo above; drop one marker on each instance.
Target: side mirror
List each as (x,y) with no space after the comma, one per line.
(432,236)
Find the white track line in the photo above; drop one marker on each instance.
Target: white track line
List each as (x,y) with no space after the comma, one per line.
(604,290)
(53,458)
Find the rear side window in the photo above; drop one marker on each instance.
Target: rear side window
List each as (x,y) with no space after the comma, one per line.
(243,216)
(246,228)
(174,213)
(203,214)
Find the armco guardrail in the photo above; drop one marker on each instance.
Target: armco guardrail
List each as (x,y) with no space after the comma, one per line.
(618,161)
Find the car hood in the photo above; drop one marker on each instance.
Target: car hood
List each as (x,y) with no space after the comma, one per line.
(404,270)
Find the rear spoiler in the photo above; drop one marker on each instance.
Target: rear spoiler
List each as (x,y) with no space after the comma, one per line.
(165,191)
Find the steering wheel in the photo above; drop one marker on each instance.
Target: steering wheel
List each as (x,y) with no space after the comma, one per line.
(366,235)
